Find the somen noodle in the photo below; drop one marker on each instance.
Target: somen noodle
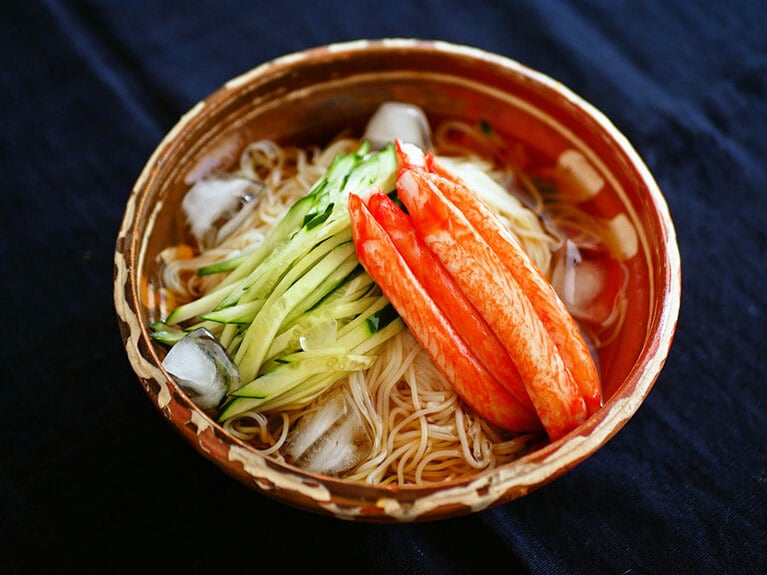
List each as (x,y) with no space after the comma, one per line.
(416,428)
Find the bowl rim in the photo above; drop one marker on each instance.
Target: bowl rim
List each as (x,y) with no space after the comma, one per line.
(479,491)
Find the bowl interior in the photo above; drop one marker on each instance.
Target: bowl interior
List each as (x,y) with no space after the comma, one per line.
(314,96)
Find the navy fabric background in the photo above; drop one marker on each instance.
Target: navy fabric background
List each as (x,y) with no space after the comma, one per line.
(91,476)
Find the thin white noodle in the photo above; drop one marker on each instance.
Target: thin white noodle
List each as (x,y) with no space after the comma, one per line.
(420,431)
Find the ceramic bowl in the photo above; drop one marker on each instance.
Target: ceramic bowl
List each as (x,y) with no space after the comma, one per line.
(307,98)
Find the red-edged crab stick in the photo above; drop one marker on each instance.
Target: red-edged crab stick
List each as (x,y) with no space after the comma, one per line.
(450,353)
(442,288)
(557,320)
(486,281)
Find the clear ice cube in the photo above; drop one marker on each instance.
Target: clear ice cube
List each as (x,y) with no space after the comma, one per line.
(216,205)
(330,440)
(201,367)
(406,122)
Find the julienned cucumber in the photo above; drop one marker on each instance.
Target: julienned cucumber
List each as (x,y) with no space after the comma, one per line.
(268,320)
(290,339)
(289,374)
(303,279)
(295,388)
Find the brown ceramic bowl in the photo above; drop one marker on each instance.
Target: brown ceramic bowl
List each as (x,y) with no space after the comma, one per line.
(311,96)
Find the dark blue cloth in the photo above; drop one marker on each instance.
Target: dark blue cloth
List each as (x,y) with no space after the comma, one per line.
(93,479)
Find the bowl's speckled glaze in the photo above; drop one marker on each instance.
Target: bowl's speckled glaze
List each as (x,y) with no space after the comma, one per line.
(311,96)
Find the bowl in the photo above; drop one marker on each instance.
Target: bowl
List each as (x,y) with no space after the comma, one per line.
(307,98)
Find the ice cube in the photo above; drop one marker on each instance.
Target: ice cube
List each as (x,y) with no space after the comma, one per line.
(216,205)
(332,439)
(200,365)
(343,447)
(398,120)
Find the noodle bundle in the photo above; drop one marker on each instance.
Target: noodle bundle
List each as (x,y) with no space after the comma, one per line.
(417,430)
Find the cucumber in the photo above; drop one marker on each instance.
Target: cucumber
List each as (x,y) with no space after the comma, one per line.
(268,320)
(301,276)
(311,387)
(289,338)
(290,372)
(242,313)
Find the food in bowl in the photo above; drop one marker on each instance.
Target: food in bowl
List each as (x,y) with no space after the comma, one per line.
(383,308)
(513,117)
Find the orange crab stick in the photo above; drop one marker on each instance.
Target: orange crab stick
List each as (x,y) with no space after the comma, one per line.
(441,287)
(471,381)
(484,279)
(555,317)
(409,157)
(552,311)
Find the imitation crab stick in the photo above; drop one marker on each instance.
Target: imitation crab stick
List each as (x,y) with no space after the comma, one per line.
(470,379)
(485,280)
(440,285)
(552,311)
(410,157)
(555,317)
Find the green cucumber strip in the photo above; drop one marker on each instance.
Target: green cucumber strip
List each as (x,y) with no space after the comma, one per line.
(289,339)
(240,313)
(364,342)
(376,171)
(200,306)
(318,219)
(307,390)
(166,334)
(376,306)
(304,263)
(348,170)
(330,351)
(333,180)
(334,216)
(300,395)
(229,336)
(313,386)
(356,285)
(223,266)
(302,355)
(310,261)
(233,283)
(235,344)
(287,225)
(237,406)
(263,279)
(328,285)
(381,318)
(286,376)
(262,330)
(169,335)
(213,327)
